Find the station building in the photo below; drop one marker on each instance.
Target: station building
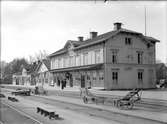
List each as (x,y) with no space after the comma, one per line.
(119,59)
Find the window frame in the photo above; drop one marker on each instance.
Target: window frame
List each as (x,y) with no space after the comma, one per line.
(139,57)
(128,41)
(97,56)
(140,75)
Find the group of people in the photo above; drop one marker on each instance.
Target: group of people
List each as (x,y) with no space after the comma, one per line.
(62,83)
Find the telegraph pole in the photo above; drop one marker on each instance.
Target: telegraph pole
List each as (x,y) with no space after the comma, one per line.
(145,22)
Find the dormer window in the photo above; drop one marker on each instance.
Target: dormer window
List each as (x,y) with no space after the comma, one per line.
(128,41)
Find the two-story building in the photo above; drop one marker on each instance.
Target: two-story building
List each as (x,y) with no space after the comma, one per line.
(119,59)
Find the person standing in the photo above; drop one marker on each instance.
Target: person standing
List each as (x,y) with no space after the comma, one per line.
(62,84)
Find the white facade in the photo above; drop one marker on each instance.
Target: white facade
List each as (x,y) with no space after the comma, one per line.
(80,59)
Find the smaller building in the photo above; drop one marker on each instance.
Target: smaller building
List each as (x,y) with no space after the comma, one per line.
(26,76)
(22,78)
(43,76)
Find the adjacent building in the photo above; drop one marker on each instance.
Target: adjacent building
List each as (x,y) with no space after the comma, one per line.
(36,74)
(119,59)
(43,76)
(27,76)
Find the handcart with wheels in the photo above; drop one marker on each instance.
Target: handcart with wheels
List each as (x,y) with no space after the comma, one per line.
(128,100)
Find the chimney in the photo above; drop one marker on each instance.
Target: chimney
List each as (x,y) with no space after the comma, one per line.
(117,26)
(93,34)
(80,38)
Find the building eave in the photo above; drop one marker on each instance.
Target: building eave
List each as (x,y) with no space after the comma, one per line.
(86,67)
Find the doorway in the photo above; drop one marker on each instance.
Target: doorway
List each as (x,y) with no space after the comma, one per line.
(82,81)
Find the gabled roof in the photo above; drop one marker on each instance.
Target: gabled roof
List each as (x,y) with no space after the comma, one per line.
(73,43)
(46,62)
(33,67)
(58,52)
(102,38)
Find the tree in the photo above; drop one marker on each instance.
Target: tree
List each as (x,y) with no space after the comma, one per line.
(42,54)
(2,68)
(161,71)
(10,68)
(16,65)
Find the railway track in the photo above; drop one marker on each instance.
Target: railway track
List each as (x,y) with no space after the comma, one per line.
(19,116)
(150,104)
(106,114)
(97,112)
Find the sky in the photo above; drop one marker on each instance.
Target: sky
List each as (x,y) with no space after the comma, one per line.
(30,26)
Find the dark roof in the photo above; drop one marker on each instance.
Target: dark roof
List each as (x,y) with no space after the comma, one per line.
(85,67)
(58,52)
(102,38)
(153,40)
(33,67)
(47,63)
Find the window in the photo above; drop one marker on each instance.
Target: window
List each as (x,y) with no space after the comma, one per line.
(68,61)
(70,64)
(52,63)
(78,60)
(128,41)
(97,56)
(88,77)
(94,75)
(139,57)
(114,56)
(85,59)
(56,63)
(101,76)
(59,63)
(64,62)
(140,76)
(115,77)
(150,60)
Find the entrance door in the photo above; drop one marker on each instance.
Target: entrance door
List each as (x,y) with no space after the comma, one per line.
(82,81)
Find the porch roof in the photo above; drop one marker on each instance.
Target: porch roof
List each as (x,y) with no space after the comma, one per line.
(86,67)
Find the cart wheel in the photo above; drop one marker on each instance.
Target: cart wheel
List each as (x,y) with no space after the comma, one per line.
(130,105)
(85,100)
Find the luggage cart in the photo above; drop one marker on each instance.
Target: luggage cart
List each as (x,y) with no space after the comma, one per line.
(128,100)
